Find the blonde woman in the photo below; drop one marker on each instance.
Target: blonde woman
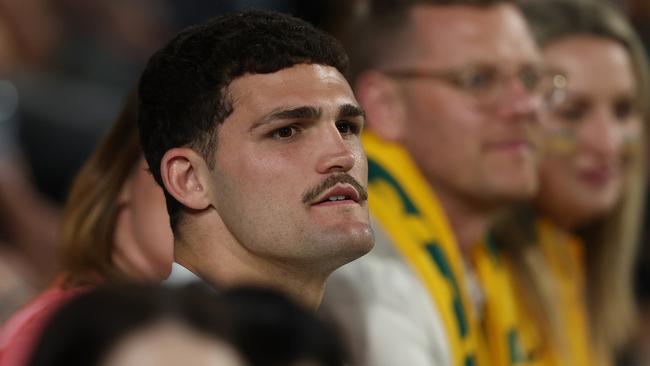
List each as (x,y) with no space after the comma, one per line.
(115,228)
(586,216)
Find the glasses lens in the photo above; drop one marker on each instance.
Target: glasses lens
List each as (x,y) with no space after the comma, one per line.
(530,78)
(478,80)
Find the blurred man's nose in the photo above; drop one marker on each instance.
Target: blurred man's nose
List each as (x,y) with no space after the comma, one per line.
(518,103)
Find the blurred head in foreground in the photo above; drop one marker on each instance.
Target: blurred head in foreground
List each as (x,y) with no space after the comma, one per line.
(153,325)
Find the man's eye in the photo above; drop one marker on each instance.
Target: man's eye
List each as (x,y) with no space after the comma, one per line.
(530,78)
(347,128)
(284,132)
(480,79)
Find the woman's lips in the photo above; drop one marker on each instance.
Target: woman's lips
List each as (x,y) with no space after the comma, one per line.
(597,177)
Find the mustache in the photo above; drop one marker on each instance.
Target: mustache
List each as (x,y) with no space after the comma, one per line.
(330,182)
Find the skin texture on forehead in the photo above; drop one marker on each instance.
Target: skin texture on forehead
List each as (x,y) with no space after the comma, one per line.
(288,91)
(467,26)
(592,48)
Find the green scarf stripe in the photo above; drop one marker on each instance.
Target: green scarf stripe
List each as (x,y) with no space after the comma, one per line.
(493,249)
(514,346)
(470,360)
(377,172)
(443,265)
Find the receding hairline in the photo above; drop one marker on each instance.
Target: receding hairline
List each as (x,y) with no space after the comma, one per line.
(370,30)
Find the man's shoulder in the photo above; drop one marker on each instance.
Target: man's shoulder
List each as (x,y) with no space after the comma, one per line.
(381,276)
(381,261)
(385,311)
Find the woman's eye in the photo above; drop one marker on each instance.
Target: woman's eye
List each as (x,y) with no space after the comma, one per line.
(572,114)
(623,110)
(284,132)
(572,111)
(479,79)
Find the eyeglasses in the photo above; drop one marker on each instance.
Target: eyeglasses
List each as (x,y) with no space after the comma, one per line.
(486,83)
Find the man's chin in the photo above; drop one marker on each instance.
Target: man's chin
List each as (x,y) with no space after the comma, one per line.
(516,189)
(347,242)
(505,196)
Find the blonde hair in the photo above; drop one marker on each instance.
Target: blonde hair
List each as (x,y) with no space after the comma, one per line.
(610,244)
(91,210)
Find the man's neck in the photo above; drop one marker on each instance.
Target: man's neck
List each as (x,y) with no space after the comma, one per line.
(218,259)
(469,220)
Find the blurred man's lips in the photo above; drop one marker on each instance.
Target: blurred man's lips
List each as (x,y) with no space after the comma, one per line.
(511,145)
(339,194)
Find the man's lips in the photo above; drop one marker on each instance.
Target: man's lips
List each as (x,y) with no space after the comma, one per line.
(340,193)
(510,145)
(351,191)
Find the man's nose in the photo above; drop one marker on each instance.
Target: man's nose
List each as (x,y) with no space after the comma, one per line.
(336,154)
(518,102)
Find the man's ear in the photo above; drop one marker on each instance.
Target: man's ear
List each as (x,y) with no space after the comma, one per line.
(382,102)
(183,173)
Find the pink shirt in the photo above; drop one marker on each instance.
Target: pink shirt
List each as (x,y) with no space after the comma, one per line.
(22,331)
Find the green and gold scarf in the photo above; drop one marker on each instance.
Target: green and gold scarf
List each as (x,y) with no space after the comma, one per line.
(408,210)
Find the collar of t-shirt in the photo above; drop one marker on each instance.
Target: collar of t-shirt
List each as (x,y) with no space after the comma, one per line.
(181,276)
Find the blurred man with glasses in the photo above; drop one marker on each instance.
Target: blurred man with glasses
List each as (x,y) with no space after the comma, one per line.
(451,91)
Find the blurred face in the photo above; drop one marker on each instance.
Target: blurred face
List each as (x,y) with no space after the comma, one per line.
(171,344)
(290,175)
(469,120)
(592,132)
(143,241)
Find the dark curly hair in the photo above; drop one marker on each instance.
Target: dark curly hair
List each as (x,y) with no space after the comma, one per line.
(183,92)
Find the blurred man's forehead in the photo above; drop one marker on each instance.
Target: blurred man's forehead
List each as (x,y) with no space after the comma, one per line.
(454,34)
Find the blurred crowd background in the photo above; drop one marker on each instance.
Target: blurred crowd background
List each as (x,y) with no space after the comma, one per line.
(66,66)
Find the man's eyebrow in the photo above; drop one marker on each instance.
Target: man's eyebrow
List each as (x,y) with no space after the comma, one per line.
(351,111)
(304,112)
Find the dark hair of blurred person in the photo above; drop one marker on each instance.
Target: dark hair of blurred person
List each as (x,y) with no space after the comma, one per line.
(114,228)
(587,214)
(189,325)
